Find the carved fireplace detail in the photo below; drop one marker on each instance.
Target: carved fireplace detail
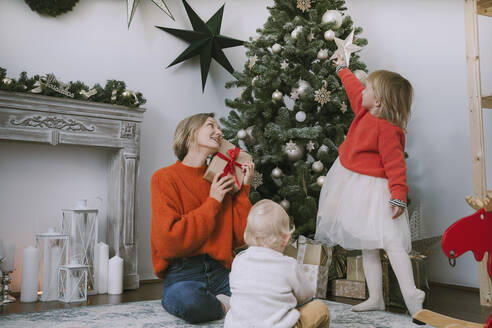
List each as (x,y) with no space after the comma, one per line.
(35,118)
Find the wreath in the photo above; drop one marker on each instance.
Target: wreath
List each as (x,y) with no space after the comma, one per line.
(51,7)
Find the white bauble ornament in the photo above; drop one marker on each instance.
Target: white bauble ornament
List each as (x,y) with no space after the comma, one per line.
(277,95)
(332,16)
(126,94)
(294,152)
(250,139)
(329,35)
(276,173)
(254,80)
(241,134)
(295,33)
(361,75)
(300,116)
(276,48)
(318,166)
(6,81)
(303,85)
(285,204)
(322,54)
(320,180)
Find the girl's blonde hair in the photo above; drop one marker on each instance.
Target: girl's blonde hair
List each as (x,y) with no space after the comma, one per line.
(268,224)
(185,133)
(395,94)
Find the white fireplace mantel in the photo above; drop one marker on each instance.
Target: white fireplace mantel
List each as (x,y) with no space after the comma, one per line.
(35,118)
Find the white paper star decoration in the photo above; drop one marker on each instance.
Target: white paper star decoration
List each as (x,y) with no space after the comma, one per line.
(131,7)
(284,65)
(344,107)
(345,48)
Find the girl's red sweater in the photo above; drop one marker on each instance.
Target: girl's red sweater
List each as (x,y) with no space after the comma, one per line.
(373,146)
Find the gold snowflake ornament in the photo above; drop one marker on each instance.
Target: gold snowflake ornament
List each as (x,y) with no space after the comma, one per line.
(322,96)
(257,180)
(303,5)
(344,107)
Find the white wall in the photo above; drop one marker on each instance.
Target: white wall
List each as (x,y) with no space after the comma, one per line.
(424,40)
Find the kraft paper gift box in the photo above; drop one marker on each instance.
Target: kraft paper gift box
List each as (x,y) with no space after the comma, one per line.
(354,268)
(349,288)
(315,260)
(391,288)
(224,163)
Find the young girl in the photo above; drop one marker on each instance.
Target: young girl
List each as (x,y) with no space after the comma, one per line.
(266,285)
(363,200)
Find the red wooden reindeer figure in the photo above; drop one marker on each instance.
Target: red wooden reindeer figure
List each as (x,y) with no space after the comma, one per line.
(471,233)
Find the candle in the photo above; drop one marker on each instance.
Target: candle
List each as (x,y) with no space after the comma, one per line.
(2,251)
(30,271)
(8,262)
(102,269)
(115,275)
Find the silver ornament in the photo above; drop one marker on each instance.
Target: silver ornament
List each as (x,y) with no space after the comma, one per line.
(300,116)
(255,80)
(329,35)
(320,180)
(318,166)
(276,48)
(241,134)
(277,95)
(250,139)
(293,151)
(303,85)
(332,16)
(276,173)
(295,33)
(7,82)
(361,75)
(285,204)
(322,54)
(126,94)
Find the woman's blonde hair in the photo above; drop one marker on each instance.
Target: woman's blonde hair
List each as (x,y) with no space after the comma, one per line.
(395,94)
(185,133)
(268,224)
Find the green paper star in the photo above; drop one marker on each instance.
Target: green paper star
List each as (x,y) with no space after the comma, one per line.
(205,40)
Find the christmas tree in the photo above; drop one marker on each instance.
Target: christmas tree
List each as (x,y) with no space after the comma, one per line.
(292,112)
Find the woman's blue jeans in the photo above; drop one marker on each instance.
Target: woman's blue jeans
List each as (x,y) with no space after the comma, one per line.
(190,287)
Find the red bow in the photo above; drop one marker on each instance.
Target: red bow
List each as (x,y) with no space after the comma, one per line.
(231,163)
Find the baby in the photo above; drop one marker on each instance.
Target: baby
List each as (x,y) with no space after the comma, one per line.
(268,288)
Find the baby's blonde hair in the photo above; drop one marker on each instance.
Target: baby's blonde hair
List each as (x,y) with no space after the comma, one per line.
(395,94)
(267,226)
(185,133)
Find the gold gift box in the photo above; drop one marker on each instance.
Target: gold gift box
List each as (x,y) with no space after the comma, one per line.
(218,164)
(355,271)
(349,288)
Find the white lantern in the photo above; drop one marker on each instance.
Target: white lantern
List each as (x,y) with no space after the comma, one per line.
(73,282)
(54,253)
(81,224)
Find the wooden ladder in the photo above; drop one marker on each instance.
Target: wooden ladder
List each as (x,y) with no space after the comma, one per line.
(482,198)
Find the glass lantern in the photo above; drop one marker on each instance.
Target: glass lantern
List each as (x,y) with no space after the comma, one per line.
(73,283)
(80,223)
(54,254)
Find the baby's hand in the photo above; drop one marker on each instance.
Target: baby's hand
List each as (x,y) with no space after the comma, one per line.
(396,211)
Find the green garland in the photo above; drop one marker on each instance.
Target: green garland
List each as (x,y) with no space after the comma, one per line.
(114,92)
(51,7)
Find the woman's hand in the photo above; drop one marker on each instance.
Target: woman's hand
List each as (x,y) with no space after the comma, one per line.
(249,170)
(396,211)
(221,186)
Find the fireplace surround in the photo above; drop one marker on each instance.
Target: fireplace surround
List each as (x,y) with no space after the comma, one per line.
(42,119)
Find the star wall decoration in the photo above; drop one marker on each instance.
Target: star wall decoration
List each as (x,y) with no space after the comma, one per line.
(345,48)
(205,40)
(131,7)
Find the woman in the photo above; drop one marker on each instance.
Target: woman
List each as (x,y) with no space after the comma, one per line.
(196,224)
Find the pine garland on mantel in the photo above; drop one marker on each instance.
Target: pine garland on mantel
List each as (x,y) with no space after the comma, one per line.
(114,92)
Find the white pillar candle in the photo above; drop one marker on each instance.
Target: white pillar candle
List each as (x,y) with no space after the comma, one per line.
(55,255)
(30,272)
(2,251)
(103,257)
(8,261)
(96,268)
(115,275)
(46,271)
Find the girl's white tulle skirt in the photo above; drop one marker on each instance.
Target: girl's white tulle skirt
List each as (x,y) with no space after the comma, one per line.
(354,213)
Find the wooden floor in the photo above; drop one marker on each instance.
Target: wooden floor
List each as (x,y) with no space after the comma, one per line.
(461,303)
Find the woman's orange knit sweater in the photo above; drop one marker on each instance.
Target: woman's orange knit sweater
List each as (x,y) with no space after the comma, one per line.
(186,221)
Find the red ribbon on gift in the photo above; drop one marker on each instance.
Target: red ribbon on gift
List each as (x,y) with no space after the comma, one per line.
(231,163)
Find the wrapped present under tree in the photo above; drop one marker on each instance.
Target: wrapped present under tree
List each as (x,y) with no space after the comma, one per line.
(228,160)
(349,288)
